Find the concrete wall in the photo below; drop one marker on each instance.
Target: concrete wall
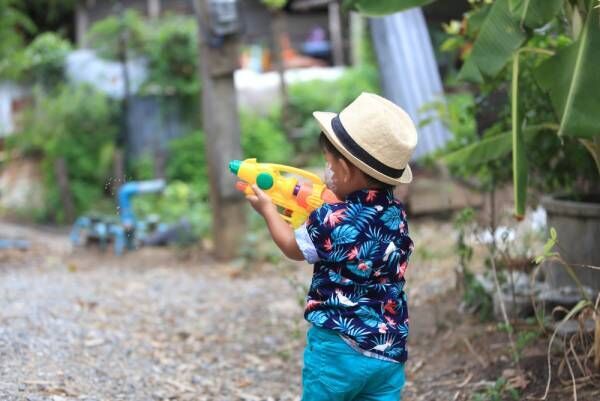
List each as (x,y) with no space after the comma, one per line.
(12,99)
(578,228)
(152,122)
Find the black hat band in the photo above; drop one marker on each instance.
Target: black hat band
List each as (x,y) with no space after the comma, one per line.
(357,151)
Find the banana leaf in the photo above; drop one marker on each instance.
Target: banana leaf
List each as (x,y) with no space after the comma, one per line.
(534,13)
(499,146)
(571,78)
(500,36)
(476,18)
(382,7)
(489,148)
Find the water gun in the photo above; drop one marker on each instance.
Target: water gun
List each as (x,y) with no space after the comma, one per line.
(297,199)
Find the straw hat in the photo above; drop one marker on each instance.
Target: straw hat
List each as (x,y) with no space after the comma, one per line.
(375,135)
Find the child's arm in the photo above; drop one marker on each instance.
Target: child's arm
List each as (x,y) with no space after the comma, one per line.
(282,233)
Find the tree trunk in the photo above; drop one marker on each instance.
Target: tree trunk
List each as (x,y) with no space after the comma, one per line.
(335,32)
(62,177)
(277,32)
(222,130)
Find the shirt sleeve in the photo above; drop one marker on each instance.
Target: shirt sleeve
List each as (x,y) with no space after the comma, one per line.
(398,252)
(314,236)
(306,245)
(406,247)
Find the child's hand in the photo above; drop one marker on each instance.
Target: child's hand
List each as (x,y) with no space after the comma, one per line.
(260,201)
(282,232)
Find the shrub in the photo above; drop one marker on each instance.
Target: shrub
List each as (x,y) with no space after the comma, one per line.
(77,124)
(13,25)
(187,162)
(172,51)
(487,115)
(105,35)
(263,138)
(43,60)
(178,201)
(333,96)
(170,45)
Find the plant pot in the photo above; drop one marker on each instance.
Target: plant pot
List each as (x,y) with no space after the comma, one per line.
(577,224)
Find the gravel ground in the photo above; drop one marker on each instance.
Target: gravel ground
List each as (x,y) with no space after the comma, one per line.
(154,326)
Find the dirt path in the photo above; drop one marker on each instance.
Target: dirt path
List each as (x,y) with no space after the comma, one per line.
(152,325)
(143,327)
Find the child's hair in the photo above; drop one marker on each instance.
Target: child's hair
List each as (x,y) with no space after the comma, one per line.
(326,145)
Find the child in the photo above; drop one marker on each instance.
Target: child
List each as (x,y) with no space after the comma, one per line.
(356,346)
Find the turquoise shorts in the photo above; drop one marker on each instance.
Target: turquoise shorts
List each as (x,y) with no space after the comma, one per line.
(333,371)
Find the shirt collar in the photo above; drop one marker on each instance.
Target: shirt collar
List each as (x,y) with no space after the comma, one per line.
(371,196)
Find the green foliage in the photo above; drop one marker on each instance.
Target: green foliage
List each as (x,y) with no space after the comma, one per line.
(43,60)
(77,124)
(461,35)
(172,51)
(310,96)
(462,153)
(462,223)
(526,338)
(564,73)
(80,125)
(534,13)
(505,327)
(107,35)
(476,297)
(274,4)
(548,247)
(142,168)
(573,83)
(263,138)
(488,156)
(365,53)
(169,44)
(457,113)
(187,163)
(178,201)
(49,16)
(500,391)
(13,25)
(500,36)
(382,7)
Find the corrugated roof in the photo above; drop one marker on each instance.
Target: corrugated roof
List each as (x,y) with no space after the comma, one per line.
(409,73)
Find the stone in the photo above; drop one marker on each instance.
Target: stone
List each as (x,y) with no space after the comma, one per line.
(519,306)
(566,296)
(486,283)
(21,186)
(571,327)
(429,195)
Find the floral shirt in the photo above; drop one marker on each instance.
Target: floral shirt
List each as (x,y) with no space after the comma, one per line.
(360,248)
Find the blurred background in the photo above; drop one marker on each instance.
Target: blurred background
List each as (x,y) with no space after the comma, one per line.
(121,230)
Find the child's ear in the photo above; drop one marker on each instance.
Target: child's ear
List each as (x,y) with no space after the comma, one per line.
(346,169)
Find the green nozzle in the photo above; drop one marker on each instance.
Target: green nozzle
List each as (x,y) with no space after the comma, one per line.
(234,166)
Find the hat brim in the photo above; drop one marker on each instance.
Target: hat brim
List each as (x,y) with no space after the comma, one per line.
(324,118)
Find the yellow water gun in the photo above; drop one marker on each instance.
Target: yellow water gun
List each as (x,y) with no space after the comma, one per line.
(297,199)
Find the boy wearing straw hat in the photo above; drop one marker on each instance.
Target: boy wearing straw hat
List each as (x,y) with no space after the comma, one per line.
(356,304)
